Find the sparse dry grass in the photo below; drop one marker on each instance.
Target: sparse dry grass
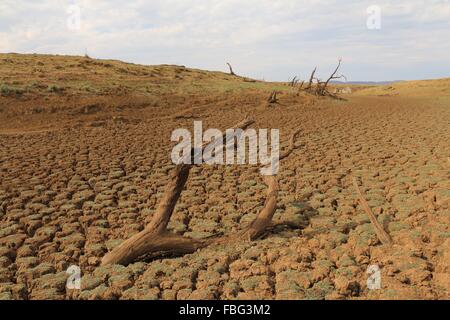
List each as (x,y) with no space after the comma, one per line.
(41,74)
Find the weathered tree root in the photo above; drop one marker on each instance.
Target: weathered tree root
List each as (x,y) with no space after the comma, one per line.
(156,239)
(382,235)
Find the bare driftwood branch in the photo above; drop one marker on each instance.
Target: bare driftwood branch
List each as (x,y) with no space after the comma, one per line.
(294,81)
(273,97)
(322,86)
(382,235)
(300,87)
(311,78)
(231,69)
(156,239)
(291,147)
(264,217)
(301,84)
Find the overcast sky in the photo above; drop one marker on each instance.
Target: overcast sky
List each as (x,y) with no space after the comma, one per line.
(270,39)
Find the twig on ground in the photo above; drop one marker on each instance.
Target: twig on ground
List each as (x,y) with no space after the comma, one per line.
(382,235)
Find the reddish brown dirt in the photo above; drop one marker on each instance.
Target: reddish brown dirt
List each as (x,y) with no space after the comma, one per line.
(80,174)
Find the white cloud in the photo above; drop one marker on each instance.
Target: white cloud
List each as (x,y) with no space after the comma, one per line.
(275,39)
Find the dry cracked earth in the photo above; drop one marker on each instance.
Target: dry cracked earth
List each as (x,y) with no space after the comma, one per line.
(73,189)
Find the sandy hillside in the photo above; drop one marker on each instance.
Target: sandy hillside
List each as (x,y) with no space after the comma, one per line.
(85,156)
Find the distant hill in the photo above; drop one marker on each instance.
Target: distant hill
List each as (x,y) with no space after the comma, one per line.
(370,83)
(58,75)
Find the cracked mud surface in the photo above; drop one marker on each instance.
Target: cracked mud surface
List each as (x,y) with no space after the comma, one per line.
(73,188)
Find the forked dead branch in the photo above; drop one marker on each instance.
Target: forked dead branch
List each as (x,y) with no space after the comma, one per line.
(322,86)
(155,239)
(320,89)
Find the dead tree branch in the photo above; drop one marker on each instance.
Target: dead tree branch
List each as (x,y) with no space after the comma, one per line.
(273,97)
(257,227)
(291,147)
(156,239)
(301,84)
(300,87)
(294,81)
(382,235)
(322,86)
(231,69)
(311,78)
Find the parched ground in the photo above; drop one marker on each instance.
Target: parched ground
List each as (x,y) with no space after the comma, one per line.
(85,155)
